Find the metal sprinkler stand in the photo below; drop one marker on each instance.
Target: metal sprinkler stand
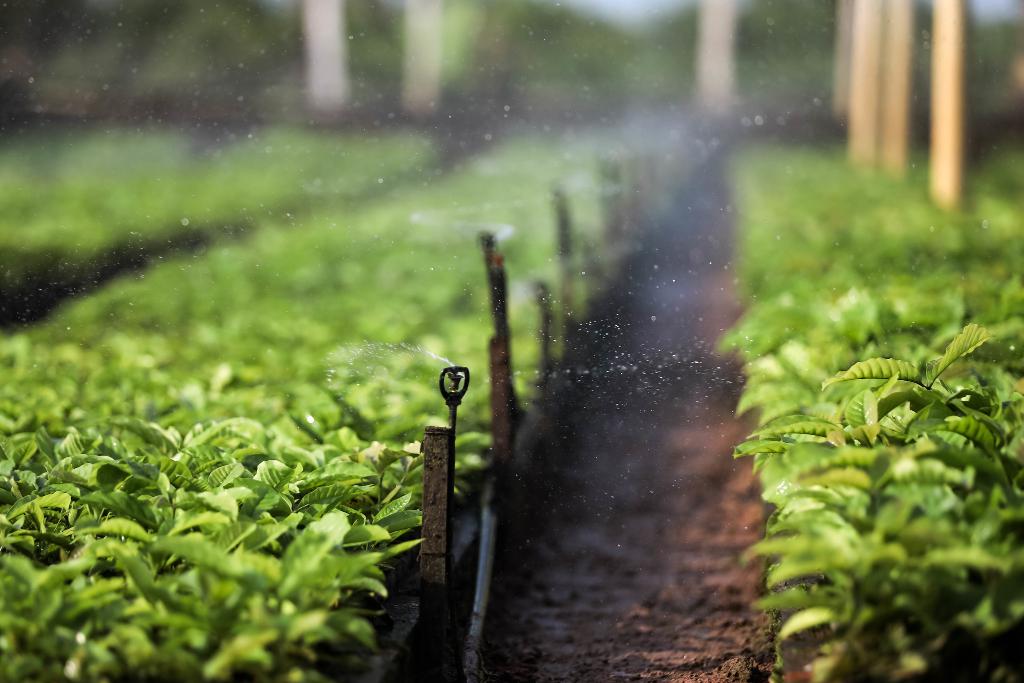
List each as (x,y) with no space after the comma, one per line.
(438,652)
(453,383)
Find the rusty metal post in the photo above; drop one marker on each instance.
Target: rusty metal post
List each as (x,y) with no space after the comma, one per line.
(545,336)
(564,226)
(503,400)
(436,628)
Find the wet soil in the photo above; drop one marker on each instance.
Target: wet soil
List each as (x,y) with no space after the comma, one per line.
(624,559)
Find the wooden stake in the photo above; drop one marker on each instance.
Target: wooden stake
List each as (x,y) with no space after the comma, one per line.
(841,64)
(716,45)
(436,629)
(948,102)
(503,399)
(865,77)
(565,261)
(899,56)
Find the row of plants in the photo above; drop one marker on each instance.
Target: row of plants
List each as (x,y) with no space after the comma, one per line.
(883,354)
(206,470)
(68,200)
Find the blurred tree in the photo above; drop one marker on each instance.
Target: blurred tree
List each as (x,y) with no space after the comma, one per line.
(421,86)
(899,71)
(865,81)
(327,76)
(716,44)
(949,36)
(1018,60)
(841,60)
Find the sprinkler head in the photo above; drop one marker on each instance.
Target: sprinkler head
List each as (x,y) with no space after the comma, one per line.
(454,383)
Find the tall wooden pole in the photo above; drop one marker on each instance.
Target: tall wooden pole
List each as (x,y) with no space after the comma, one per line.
(865,77)
(948,102)
(841,64)
(421,86)
(716,44)
(327,80)
(899,56)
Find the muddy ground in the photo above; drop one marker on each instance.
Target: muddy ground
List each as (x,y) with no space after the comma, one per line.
(622,557)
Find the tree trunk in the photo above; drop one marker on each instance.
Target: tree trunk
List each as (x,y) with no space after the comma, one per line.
(841,65)
(1018,60)
(421,91)
(865,77)
(948,102)
(899,55)
(327,81)
(716,42)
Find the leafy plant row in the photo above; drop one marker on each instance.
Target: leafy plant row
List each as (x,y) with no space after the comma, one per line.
(883,357)
(206,469)
(68,200)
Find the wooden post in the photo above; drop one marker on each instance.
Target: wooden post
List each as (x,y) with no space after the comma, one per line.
(421,85)
(503,399)
(545,336)
(436,628)
(326,47)
(841,63)
(563,223)
(865,78)
(899,70)
(716,44)
(948,102)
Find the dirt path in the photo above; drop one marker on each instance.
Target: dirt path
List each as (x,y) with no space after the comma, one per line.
(624,564)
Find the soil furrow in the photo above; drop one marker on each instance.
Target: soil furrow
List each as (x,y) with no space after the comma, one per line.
(624,561)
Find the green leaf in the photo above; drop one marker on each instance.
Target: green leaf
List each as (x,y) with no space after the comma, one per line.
(275,473)
(796,424)
(401,520)
(809,618)
(839,476)
(204,518)
(198,551)
(123,505)
(877,368)
(760,446)
(974,430)
(236,425)
(167,440)
(367,533)
(397,505)
(109,475)
(327,495)
(334,526)
(225,474)
(862,409)
(963,344)
(118,526)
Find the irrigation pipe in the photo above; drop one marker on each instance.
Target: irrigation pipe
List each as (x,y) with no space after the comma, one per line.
(484,568)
